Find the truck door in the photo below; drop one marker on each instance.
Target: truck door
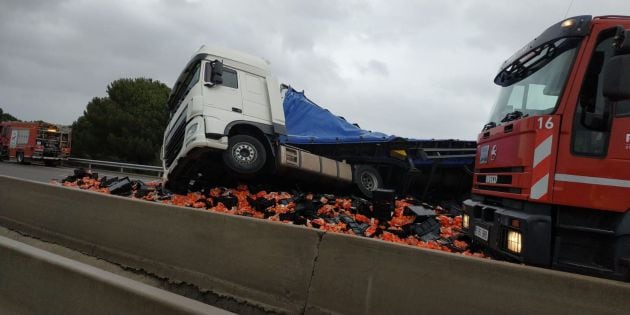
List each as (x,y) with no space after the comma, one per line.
(593,165)
(226,96)
(255,98)
(14,139)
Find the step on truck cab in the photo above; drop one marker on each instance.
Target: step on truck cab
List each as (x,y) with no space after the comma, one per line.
(551,182)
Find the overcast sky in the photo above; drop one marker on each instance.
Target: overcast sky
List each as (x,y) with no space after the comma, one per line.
(420,69)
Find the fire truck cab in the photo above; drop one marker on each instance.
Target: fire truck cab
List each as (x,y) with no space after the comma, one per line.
(34,141)
(551,186)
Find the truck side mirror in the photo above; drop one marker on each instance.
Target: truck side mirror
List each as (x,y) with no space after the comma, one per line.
(622,41)
(593,121)
(214,73)
(616,85)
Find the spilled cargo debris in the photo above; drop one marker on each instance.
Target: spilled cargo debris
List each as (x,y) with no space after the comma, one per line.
(403,220)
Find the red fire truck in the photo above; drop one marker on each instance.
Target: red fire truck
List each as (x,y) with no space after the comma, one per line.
(552,174)
(34,141)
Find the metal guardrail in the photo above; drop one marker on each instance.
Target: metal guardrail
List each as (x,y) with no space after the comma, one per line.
(120,165)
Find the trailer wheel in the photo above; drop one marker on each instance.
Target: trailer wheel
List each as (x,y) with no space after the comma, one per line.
(245,154)
(20,157)
(367,178)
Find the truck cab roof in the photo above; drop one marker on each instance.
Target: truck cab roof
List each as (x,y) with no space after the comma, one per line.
(233,55)
(233,58)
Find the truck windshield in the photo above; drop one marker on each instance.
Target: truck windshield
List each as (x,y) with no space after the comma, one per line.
(533,84)
(182,90)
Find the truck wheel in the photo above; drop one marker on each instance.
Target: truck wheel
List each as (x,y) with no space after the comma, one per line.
(622,257)
(20,157)
(245,154)
(50,163)
(367,179)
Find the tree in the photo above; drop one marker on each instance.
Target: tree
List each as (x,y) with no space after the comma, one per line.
(6,116)
(127,125)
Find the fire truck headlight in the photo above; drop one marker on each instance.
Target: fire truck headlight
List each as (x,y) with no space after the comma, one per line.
(465,220)
(567,23)
(514,240)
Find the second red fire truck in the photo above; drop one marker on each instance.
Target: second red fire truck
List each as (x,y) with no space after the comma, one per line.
(34,141)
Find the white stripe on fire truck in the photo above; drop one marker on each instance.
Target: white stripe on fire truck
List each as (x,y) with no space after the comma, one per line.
(540,188)
(592,180)
(543,150)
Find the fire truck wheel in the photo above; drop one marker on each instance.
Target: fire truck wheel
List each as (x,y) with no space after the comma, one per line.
(20,157)
(245,154)
(367,178)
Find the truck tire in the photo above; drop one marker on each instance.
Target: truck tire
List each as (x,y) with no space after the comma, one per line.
(245,154)
(622,256)
(20,157)
(50,163)
(367,178)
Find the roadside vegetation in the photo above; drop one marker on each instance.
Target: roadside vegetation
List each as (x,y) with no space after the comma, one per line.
(127,125)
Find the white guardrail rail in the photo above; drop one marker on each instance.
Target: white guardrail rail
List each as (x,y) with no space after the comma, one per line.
(118,165)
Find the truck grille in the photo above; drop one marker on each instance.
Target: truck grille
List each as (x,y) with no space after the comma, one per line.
(501,179)
(511,190)
(506,180)
(51,152)
(175,138)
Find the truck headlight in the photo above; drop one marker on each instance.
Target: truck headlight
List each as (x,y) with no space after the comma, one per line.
(514,240)
(465,220)
(192,129)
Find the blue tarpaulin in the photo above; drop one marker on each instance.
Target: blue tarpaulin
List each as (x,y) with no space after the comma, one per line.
(306,123)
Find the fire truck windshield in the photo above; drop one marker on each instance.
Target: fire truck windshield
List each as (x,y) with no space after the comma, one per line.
(533,84)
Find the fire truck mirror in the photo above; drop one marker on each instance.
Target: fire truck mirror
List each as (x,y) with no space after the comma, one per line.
(622,41)
(594,121)
(617,78)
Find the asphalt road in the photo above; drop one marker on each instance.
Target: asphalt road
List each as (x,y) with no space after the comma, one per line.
(45,174)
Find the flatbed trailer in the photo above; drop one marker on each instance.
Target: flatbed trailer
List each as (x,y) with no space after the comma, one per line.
(379,160)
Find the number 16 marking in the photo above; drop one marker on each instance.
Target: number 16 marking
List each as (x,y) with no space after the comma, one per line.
(548,124)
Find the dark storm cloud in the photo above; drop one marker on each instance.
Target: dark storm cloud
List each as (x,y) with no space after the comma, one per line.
(414,68)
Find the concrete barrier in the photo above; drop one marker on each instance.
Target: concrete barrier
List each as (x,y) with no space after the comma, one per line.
(263,263)
(33,281)
(365,276)
(293,269)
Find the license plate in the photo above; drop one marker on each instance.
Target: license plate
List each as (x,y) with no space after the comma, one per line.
(481,233)
(491,179)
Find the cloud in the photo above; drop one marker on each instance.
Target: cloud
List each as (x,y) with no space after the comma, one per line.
(375,67)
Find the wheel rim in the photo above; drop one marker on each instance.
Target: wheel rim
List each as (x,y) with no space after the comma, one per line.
(244,153)
(369,181)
